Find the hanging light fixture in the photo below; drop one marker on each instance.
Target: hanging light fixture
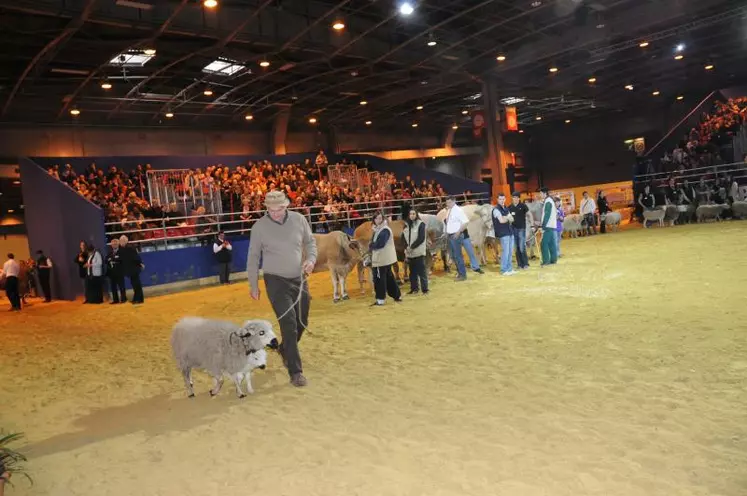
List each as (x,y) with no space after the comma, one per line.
(106,84)
(338,25)
(248,117)
(210,4)
(74,112)
(169,114)
(264,63)
(312,120)
(208,92)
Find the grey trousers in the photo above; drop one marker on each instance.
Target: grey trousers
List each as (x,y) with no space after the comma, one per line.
(282,293)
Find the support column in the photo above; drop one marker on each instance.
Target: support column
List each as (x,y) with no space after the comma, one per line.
(448,137)
(280,130)
(333,143)
(494,134)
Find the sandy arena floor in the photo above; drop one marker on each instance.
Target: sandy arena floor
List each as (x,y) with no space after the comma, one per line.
(622,371)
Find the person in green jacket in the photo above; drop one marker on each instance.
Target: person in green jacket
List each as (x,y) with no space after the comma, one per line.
(549,229)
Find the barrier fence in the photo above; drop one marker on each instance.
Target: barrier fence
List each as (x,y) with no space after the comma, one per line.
(738,170)
(179,232)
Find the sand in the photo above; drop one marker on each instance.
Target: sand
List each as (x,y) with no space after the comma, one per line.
(621,371)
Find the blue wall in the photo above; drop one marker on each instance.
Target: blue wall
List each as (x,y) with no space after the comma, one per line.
(164,267)
(57,219)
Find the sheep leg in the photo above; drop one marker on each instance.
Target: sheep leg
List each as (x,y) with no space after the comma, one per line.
(249,388)
(217,384)
(187,373)
(237,379)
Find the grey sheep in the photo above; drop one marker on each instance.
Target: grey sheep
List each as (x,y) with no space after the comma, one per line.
(219,347)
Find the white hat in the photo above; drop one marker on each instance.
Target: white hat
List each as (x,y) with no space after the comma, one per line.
(276,199)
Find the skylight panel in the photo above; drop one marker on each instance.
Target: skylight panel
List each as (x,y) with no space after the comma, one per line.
(512,100)
(223,66)
(131,59)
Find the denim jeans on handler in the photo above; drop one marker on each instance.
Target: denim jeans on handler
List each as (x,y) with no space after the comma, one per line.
(520,240)
(549,246)
(455,245)
(558,237)
(507,253)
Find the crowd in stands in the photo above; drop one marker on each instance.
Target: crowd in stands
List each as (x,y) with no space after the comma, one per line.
(124,196)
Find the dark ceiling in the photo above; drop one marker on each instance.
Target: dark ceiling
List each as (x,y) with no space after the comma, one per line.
(55,55)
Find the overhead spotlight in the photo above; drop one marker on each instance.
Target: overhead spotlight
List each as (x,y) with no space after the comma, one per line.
(406,8)
(210,4)
(465,112)
(629,87)
(680,47)
(312,120)
(538,118)
(364,102)
(264,63)
(680,97)
(501,58)
(431,40)
(106,85)
(553,69)
(354,73)
(74,112)
(643,44)
(149,51)
(169,115)
(521,131)
(415,124)
(656,93)
(567,121)
(338,25)
(679,57)
(709,67)
(454,127)
(536,3)
(208,92)
(249,117)
(368,123)
(592,80)
(419,107)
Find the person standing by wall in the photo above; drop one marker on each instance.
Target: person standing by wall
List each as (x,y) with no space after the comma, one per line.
(132,265)
(549,227)
(223,254)
(95,267)
(502,219)
(11,272)
(456,229)
(80,260)
(280,239)
(383,257)
(521,215)
(604,209)
(414,237)
(44,270)
(588,207)
(114,270)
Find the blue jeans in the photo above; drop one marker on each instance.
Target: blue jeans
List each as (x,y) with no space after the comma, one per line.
(507,253)
(520,239)
(558,236)
(455,245)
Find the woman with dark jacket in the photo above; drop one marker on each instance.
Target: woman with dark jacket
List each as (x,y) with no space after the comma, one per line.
(81,259)
(604,209)
(415,250)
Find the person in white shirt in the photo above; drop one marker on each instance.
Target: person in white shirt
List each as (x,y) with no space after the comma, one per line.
(456,228)
(11,271)
(95,271)
(223,254)
(588,207)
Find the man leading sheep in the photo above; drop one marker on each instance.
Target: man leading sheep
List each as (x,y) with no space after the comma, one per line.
(281,239)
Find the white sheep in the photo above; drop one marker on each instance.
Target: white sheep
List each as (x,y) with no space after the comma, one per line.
(573,224)
(612,220)
(706,212)
(655,215)
(739,209)
(220,347)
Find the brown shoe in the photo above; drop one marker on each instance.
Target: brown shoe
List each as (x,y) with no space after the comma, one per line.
(298,380)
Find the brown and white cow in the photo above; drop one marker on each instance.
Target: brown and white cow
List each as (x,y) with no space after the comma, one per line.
(338,253)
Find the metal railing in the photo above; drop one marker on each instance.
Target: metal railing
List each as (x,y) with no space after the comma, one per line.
(179,232)
(737,169)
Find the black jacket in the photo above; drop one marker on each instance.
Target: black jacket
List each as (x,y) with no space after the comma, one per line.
(114,266)
(131,261)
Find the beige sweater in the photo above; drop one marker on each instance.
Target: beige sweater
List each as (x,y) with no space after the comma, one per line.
(281,247)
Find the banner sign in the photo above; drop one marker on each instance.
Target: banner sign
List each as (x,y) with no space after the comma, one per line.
(478,122)
(512,121)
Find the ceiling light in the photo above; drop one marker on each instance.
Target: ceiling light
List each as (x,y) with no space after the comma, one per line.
(406,8)
(553,69)
(75,112)
(512,100)
(208,92)
(465,112)
(567,121)
(10,211)
(419,107)
(149,51)
(368,123)
(106,85)
(338,25)
(656,93)
(312,120)
(538,118)
(454,127)
(679,57)
(680,47)
(643,44)
(354,73)
(210,4)
(169,115)
(500,58)
(592,80)
(364,102)
(709,67)
(432,43)
(536,3)
(415,125)
(264,63)
(249,117)
(521,131)
(629,87)
(680,97)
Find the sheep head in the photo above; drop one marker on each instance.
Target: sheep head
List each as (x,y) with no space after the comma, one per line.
(259,333)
